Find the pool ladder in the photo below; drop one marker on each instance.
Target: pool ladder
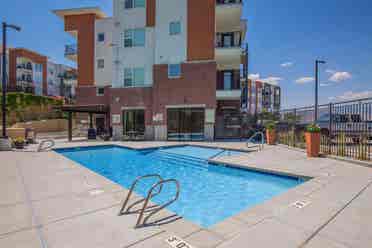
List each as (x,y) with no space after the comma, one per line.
(260,145)
(158,186)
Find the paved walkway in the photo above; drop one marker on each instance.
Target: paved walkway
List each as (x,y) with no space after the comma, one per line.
(47,200)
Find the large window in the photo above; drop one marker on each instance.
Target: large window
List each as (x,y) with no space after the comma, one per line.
(129,4)
(174,70)
(174,28)
(134,37)
(134,123)
(185,124)
(134,77)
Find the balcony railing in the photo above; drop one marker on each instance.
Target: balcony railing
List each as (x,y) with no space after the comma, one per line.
(227,40)
(219,2)
(71,50)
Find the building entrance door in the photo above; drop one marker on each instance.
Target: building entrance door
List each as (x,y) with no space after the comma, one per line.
(185,124)
(134,124)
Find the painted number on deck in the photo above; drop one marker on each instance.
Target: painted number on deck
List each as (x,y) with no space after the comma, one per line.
(177,242)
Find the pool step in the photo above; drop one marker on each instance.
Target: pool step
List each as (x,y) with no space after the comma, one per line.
(180,159)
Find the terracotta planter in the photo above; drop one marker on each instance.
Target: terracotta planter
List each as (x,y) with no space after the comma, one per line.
(271,137)
(312,144)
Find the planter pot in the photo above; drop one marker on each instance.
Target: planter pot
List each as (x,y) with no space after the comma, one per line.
(19,145)
(271,137)
(312,144)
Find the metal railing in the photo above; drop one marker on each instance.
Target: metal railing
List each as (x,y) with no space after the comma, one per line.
(220,2)
(134,184)
(71,49)
(158,186)
(156,210)
(346,128)
(261,145)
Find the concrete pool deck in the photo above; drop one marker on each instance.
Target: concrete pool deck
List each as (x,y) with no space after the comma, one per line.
(47,200)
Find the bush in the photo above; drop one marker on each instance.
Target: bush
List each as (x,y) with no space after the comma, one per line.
(270,126)
(313,128)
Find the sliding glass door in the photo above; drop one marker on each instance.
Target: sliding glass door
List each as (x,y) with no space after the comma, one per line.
(185,124)
(134,124)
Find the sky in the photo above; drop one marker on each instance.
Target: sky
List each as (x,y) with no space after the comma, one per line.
(284,38)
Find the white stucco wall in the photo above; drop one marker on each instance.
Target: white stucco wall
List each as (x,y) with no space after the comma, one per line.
(131,57)
(170,48)
(104,50)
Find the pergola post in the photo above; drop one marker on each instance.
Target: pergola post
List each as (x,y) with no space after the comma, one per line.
(90,120)
(69,126)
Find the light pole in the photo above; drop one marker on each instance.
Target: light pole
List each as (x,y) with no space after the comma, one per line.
(4,28)
(317,62)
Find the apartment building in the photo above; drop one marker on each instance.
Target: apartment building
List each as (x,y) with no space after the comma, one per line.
(165,68)
(261,96)
(27,71)
(62,80)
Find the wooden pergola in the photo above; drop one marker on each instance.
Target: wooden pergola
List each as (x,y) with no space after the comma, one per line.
(90,109)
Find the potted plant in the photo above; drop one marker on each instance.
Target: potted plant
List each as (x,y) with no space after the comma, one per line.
(312,137)
(270,133)
(19,143)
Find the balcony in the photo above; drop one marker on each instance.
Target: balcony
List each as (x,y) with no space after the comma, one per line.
(228,85)
(228,15)
(71,52)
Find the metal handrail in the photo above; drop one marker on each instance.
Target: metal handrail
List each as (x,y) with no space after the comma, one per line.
(122,210)
(149,195)
(41,148)
(261,145)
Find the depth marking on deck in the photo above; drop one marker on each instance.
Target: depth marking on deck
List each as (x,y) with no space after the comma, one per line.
(177,242)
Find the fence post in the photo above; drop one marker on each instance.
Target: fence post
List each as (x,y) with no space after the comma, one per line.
(294,128)
(329,139)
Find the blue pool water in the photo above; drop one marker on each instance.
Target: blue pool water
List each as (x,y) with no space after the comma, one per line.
(209,193)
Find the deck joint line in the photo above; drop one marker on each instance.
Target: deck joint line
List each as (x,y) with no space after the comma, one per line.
(29,203)
(335,215)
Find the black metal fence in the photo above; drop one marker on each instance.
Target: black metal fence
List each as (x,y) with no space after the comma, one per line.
(346,128)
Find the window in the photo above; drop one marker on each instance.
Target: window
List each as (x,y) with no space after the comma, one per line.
(101,37)
(139,76)
(174,70)
(134,77)
(128,77)
(134,37)
(100,91)
(129,4)
(227,80)
(100,63)
(174,28)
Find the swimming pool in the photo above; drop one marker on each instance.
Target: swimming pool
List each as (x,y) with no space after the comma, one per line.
(209,193)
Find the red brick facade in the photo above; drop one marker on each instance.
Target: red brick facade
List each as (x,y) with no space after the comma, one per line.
(196,86)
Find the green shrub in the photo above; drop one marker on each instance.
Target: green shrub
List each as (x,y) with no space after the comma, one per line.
(313,128)
(271,125)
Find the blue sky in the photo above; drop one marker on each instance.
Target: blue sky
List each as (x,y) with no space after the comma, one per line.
(284,37)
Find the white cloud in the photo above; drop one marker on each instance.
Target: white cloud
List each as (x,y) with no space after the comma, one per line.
(254,76)
(350,95)
(304,80)
(270,80)
(340,76)
(330,71)
(287,64)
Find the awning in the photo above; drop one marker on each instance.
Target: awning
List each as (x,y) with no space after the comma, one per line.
(94,108)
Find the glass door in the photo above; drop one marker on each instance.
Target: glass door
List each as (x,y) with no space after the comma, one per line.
(134,124)
(185,124)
